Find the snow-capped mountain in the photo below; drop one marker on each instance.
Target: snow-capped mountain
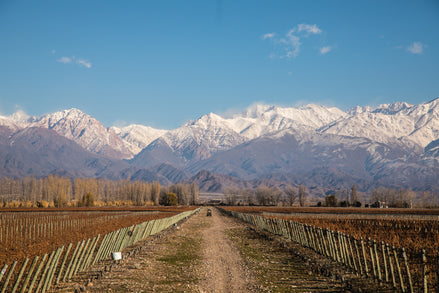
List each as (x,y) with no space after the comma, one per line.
(358,110)
(85,130)
(415,125)
(392,144)
(137,137)
(199,139)
(9,123)
(38,151)
(262,119)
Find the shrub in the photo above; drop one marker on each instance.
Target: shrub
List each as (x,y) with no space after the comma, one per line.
(88,200)
(171,199)
(330,201)
(42,204)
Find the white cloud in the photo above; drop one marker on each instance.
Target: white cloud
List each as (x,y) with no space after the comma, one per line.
(293,44)
(80,62)
(309,29)
(289,46)
(84,63)
(53,52)
(268,36)
(120,123)
(65,60)
(416,48)
(324,50)
(19,115)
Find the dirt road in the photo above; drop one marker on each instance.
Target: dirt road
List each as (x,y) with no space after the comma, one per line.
(204,254)
(223,268)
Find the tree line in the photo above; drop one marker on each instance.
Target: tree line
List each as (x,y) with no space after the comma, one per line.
(292,196)
(384,197)
(265,195)
(58,191)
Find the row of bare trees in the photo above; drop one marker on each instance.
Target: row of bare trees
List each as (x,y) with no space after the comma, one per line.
(264,195)
(385,197)
(292,196)
(187,194)
(344,198)
(60,191)
(405,198)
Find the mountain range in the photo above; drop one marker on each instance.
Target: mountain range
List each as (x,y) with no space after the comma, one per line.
(394,145)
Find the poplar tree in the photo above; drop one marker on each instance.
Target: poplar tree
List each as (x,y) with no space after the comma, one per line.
(302,195)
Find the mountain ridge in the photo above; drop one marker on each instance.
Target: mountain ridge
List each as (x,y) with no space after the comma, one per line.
(393,144)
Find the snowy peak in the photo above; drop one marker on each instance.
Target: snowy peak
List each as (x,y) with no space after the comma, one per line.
(393,108)
(422,109)
(16,121)
(388,109)
(200,138)
(256,111)
(395,144)
(86,131)
(207,121)
(137,137)
(9,123)
(211,133)
(20,117)
(69,121)
(262,119)
(412,124)
(309,115)
(358,110)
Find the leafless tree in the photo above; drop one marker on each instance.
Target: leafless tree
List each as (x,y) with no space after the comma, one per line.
(231,195)
(291,193)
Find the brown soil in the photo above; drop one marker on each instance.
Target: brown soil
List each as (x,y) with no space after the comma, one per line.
(103,209)
(329,210)
(101,220)
(214,254)
(21,247)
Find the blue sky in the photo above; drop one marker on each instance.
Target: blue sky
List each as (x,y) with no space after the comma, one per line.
(161,63)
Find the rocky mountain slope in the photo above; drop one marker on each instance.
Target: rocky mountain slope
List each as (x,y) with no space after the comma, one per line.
(38,151)
(77,126)
(85,130)
(325,160)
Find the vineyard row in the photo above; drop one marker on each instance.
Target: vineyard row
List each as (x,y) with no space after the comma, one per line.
(368,258)
(63,263)
(22,228)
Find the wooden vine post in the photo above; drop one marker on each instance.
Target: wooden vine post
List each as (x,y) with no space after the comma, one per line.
(424,272)
(364,257)
(398,268)
(404,255)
